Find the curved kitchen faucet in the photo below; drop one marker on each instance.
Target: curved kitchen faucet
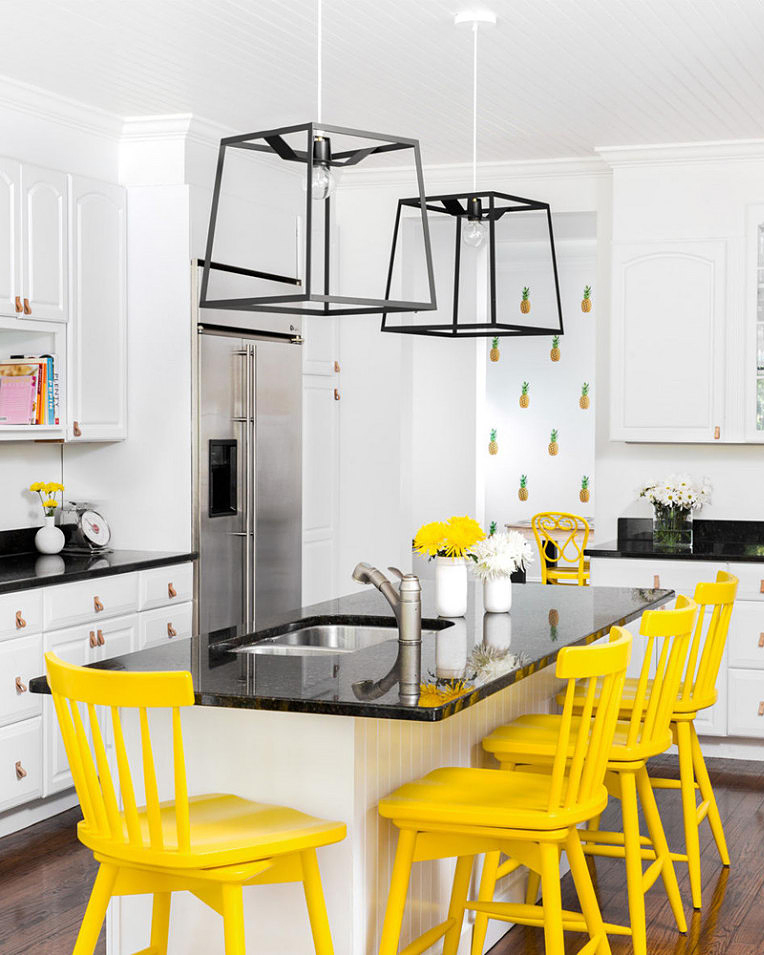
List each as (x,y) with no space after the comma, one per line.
(406,604)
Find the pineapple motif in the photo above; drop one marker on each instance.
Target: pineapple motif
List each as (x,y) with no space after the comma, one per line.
(492,529)
(586,301)
(583,401)
(493,447)
(553,445)
(554,354)
(554,622)
(525,305)
(494,353)
(522,492)
(524,396)
(583,494)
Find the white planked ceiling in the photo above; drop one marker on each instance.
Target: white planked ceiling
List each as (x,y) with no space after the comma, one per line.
(557,77)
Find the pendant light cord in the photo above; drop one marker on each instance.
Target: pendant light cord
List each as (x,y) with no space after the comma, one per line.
(474,102)
(319,64)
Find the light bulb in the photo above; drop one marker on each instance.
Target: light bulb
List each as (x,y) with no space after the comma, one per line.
(474,232)
(323,183)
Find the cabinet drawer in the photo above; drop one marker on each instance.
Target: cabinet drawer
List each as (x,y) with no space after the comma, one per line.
(751,577)
(745,643)
(165,623)
(746,703)
(89,601)
(20,763)
(679,575)
(20,660)
(165,586)
(20,613)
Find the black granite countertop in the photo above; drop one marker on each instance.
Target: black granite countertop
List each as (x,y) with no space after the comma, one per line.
(712,540)
(24,571)
(467,660)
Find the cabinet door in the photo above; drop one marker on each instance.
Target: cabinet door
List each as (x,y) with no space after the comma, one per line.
(668,342)
(10,236)
(98,327)
(118,636)
(44,224)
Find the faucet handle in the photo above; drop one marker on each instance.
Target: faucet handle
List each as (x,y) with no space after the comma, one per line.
(398,573)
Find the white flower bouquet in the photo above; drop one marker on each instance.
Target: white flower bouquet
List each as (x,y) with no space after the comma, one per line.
(674,499)
(500,555)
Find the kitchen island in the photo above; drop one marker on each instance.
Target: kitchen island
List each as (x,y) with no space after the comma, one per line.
(330,736)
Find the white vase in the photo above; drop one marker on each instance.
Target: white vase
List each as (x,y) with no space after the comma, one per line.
(497,594)
(451,652)
(49,539)
(451,586)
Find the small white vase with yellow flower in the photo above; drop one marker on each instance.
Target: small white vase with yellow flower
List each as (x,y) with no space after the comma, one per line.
(449,544)
(49,539)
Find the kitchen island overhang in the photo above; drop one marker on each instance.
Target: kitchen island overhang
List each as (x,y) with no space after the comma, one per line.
(295,751)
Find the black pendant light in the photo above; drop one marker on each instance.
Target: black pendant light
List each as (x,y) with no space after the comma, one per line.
(318,152)
(487,299)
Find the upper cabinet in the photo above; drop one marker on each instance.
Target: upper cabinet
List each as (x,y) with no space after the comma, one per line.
(668,338)
(98,327)
(44,240)
(11,292)
(754,371)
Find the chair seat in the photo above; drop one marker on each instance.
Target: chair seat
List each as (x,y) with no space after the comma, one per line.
(225,830)
(536,735)
(681,707)
(487,798)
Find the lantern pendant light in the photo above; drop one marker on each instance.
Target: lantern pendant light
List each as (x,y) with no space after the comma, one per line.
(485,298)
(319,151)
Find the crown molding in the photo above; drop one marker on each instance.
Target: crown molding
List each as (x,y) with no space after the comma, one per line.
(174,127)
(446,174)
(732,150)
(54,108)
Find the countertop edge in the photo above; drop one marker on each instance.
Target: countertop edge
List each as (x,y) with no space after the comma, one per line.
(622,553)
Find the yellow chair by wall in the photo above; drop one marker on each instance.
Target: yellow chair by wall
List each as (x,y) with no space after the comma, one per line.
(561,539)
(463,812)
(697,692)
(210,845)
(532,740)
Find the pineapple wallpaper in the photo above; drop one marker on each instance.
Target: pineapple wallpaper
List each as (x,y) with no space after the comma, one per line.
(494,354)
(525,304)
(545,384)
(493,447)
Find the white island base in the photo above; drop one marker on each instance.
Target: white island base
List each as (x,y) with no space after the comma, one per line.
(337,767)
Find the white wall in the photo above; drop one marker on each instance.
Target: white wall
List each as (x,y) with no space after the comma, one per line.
(663,193)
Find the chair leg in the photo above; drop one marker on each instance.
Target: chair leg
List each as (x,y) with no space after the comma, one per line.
(399,885)
(160,922)
(459,890)
(485,894)
(96,910)
(554,938)
(689,808)
(532,887)
(233,919)
(586,894)
(707,794)
(314,899)
(633,854)
(658,837)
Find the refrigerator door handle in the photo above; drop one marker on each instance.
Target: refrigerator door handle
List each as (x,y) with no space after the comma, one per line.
(244,419)
(252,484)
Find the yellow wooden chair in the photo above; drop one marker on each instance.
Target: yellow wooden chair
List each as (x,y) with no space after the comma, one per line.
(561,539)
(697,692)
(462,812)
(210,845)
(532,741)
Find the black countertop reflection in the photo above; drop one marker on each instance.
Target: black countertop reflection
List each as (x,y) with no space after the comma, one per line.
(469,659)
(711,540)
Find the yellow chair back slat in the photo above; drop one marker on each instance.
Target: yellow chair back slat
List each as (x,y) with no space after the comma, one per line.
(73,687)
(655,698)
(561,539)
(583,746)
(703,664)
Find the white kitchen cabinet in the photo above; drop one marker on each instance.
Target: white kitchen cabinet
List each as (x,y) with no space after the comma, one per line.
(754,338)
(165,623)
(11,293)
(44,217)
(19,663)
(668,341)
(20,763)
(98,325)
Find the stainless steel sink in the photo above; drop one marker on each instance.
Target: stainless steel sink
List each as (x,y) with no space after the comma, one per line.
(324,638)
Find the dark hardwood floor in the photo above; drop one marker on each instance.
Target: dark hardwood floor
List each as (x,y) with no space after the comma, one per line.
(46,875)
(731,921)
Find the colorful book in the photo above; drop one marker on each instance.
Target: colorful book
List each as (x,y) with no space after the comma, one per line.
(18,397)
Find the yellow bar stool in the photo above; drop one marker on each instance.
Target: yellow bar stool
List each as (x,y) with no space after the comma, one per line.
(209,845)
(561,539)
(463,812)
(697,692)
(532,741)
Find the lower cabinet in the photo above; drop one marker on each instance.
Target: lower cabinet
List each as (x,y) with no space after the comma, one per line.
(21,771)
(165,623)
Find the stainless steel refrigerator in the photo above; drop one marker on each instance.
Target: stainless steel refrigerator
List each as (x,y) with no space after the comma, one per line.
(248,474)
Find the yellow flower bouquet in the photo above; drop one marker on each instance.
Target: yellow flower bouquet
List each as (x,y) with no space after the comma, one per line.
(449,543)
(47,491)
